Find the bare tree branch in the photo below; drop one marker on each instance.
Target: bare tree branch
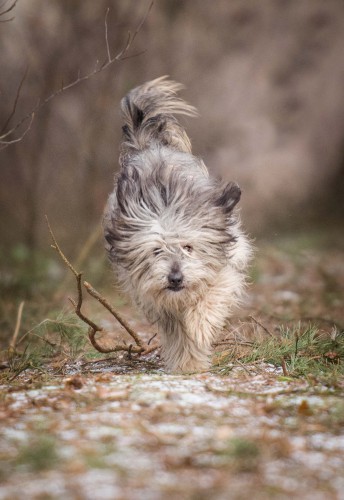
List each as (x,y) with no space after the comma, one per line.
(106,35)
(138,29)
(5,144)
(108,62)
(15,101)
(9,9)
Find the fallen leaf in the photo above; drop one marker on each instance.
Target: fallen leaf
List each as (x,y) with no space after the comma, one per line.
(304,408)
(74,382)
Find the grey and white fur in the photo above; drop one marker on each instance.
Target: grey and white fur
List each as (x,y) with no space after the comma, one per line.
(172,232)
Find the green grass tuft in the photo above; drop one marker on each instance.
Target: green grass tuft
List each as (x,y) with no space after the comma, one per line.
(64,337)
(305,352)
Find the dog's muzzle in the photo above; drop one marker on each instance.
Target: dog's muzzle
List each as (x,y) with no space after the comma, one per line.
(175,280)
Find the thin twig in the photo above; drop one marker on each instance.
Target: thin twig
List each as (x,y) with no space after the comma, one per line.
(87,246)
(57,248)
(152,338)
(124,58)
(17,327)
(138,29)
(106,35)
(229,342)
(21,370)
(243,367)
(262,326)
(5,144)
(118,347)
(151,349)
(284,368)
(84,318)
(107,306)
(45,340)
(15,101)
(95,361)
(47,320)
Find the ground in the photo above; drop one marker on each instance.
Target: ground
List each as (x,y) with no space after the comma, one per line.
(265,422)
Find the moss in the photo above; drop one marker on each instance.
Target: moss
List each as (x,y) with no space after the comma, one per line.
(40,454)
(242,454)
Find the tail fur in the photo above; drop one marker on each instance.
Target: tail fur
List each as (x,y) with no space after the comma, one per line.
(148,113)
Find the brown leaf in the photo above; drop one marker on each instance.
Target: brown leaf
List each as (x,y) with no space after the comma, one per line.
(304,408)
(74,382)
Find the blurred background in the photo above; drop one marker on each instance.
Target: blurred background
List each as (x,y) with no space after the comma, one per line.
(267,77)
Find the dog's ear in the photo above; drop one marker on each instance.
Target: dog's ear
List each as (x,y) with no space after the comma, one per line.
(127,188)
(228,197)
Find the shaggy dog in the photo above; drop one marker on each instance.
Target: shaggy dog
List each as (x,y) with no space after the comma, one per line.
(172,233)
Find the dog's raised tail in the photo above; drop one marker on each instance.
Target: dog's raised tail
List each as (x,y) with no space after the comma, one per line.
(148,113)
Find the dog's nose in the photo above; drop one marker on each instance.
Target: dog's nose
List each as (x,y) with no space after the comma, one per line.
(175,279)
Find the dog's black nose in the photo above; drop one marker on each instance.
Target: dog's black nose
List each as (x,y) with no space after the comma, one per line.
(175,279)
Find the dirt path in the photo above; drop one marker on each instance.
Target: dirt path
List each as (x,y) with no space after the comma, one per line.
(152,436)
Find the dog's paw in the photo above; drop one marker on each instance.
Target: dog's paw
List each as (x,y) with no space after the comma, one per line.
(190,366)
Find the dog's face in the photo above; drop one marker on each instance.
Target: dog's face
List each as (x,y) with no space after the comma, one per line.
(171,239)
(175,266)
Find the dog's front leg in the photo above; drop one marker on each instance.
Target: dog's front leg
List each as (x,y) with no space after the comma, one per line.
(204,321)
(187,341)
(180,351)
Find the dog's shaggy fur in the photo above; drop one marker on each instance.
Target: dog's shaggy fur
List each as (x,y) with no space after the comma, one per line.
(172,233)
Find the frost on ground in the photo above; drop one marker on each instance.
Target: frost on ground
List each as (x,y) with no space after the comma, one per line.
(121,429)
(152,436)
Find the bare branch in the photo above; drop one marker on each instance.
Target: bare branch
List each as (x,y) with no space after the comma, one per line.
(9,9)
(126,48)
(77,305)
(114,313)
(77,309)
(57,248)
(5,144)
(152,338)
(140,348)
(15,101)
(138,29)
(131,349)
(116,348)
(231,343)
(148,350)
(13,342)
(262,326)
(106,35)
(284,368)
(98,69)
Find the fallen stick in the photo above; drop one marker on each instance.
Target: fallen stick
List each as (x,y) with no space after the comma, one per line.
(140,347)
